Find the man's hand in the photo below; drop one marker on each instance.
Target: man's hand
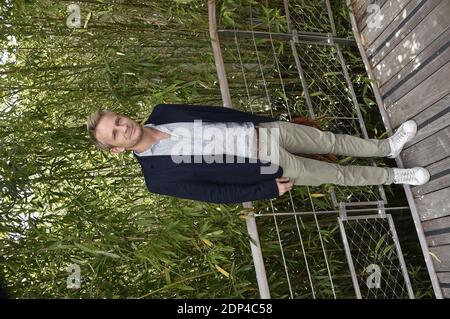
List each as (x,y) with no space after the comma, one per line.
(284,184)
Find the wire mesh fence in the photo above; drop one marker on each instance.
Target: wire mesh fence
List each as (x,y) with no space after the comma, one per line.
(283,58)
(375,258)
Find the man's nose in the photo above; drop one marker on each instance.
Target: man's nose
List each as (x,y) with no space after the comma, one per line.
(124,128)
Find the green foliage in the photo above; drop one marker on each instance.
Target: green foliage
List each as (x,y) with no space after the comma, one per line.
(63,201)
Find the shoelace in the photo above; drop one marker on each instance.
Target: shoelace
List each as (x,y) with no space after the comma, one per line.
(399,136)
(408,174)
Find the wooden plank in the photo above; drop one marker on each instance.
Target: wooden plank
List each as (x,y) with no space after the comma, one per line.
(431,120)
(440,177)
(421,97)
(398,52)
(364,14)
(428,151)
(437,231)
(434,205)
(444,276)
(361,14)
(441,57)
(422,60)
(362,5)
(446,291)
(357,6)
(444,279)
(388,12)
(400,27)
(443,254)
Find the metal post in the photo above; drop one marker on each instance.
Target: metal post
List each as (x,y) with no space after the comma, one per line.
(221,74)
(258,260)
(400,257)
(349,259)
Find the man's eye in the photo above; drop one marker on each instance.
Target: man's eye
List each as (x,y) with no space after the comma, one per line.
(117,123)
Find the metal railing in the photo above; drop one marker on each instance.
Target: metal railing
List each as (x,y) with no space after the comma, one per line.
(284,73)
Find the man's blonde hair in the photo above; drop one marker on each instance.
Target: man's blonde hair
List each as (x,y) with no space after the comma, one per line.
(92,122)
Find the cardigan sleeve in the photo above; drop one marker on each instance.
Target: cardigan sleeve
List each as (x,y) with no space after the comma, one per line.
(216,193)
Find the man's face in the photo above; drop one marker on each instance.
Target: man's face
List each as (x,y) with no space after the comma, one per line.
(120,131)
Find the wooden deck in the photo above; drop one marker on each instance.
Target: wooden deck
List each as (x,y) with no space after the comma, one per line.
(408,55)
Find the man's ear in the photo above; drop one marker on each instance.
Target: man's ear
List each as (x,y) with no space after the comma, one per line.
(117,150)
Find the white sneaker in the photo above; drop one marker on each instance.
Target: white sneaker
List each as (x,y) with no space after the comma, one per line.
(411,176)
(404,134)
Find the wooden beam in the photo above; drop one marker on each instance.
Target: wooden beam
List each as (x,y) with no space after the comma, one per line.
(434,205)
(428,151)
(442,257)
(218,58)
(437,231)
(440,178)
(425,94)
(388,14)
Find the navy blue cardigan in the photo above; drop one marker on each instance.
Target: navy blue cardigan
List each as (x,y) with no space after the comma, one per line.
(211,182)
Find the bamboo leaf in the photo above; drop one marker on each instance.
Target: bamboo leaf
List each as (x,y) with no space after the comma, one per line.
(108,254)
(222,271)
(167,276)
(184,287)
(207,242)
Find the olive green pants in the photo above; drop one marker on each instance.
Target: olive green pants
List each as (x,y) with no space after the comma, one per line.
(296,138)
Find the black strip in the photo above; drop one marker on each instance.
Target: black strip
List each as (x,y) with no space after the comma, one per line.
(437,232)
(399,27)
(444,284)
(422,65)
(440,174)
(434,118)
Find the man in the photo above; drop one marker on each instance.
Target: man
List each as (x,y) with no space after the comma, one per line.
(178,161)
